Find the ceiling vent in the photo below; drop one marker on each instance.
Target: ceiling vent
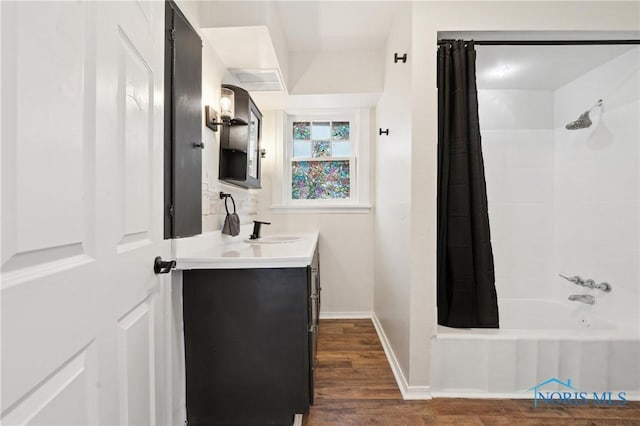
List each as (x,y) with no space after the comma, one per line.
(258,80)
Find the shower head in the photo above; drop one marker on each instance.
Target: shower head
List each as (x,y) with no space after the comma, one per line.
(583,121)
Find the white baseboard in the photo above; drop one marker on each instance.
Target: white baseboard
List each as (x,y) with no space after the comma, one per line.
(408,392)
(346,315)
(297,420)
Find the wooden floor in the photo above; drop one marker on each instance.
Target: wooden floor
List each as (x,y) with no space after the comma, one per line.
(355,386)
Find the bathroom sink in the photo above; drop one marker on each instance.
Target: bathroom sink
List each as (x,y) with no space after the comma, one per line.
(275,239)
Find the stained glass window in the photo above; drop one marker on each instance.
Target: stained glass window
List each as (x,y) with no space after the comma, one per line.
(340,130)
(320,130)
(313,180)
(340,149)
(302,149)
(321,149)
(320,165)
(301,131)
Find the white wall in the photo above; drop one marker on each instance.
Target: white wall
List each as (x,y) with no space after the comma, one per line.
(213,212)
(358,71)
(392,224)
(597,187)
(428,19)
(234,15)
(517,146)
(346,240)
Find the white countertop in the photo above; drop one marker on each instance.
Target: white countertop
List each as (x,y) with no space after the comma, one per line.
(213,251)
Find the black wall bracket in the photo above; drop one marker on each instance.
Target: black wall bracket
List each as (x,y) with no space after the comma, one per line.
(397,58)
(383,132)
(211,118)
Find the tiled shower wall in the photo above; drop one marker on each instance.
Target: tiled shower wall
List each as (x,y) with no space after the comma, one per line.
(597,187)
(567,201)
(517,142)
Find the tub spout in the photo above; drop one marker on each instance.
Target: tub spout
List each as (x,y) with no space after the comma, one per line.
(584,298)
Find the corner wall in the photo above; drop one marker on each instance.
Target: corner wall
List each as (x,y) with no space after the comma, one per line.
(392,219)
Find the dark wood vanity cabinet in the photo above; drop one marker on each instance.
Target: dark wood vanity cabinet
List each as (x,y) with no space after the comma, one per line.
(240,143)
(250,343)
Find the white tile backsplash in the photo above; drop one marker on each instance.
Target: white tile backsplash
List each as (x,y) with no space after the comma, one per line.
(213,211)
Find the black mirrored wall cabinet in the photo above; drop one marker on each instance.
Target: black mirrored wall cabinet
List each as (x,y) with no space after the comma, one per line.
(240,138)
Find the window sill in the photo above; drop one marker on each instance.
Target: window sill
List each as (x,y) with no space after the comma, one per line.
(336,209)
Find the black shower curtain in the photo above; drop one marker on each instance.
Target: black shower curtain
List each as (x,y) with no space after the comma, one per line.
(466,283)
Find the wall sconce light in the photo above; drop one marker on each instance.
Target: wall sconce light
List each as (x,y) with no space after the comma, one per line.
(227,103)
(227,111)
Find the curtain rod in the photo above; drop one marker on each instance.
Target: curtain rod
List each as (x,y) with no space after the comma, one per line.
(543,42)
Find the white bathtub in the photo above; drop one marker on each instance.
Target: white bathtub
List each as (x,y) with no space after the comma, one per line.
(538,340)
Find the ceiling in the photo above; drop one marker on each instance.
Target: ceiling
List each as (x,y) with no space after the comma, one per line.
(539,67)
(336,25)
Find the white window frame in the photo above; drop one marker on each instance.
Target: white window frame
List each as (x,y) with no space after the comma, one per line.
(359,138)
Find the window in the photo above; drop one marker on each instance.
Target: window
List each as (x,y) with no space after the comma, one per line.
(321,160)
(325,161)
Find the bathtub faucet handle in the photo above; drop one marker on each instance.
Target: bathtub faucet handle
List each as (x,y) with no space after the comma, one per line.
(575,279)
(606,287)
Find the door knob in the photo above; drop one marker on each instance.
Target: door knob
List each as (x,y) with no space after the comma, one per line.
(199,145)
(163,266)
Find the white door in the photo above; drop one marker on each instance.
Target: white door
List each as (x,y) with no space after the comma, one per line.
(82,310)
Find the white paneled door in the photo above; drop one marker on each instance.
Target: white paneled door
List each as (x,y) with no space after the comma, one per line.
(81,127)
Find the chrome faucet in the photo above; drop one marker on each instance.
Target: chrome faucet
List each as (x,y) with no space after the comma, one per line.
(604,286)
(584,298)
